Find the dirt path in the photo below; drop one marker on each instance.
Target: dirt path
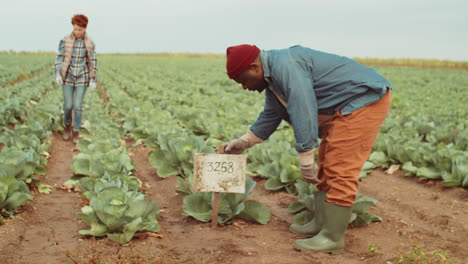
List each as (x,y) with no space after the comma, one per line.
(414,215)
(46,226)
(25,76)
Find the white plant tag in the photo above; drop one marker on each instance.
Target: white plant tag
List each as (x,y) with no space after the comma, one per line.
(219,173)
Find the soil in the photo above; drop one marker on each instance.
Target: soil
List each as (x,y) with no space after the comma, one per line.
(415,214)
(45,230)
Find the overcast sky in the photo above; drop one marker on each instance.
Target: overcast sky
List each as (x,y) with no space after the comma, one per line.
(355,28)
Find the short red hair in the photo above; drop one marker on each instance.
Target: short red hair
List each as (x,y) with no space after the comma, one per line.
(80,20)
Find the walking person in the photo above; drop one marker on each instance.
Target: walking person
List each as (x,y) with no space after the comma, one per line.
(321,95)
(75,69)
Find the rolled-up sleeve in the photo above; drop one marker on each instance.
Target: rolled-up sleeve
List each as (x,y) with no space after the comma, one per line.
(60,57)
(302,105)
(270,118)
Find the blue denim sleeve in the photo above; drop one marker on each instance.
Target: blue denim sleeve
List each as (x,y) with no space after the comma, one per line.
(302,105)
(270,118)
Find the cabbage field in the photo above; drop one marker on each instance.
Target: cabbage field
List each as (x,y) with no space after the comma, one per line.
(130,175)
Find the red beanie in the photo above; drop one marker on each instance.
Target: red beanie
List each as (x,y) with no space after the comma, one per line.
(238,58)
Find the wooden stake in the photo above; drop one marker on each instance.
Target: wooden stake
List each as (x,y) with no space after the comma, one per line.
(214,216)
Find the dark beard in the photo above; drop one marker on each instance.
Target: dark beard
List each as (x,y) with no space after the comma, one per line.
(260,89)
(264,86)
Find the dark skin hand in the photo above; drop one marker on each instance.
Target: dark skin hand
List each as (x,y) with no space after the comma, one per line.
(252,78)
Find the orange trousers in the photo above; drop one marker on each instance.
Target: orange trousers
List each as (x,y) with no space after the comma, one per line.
(346,144)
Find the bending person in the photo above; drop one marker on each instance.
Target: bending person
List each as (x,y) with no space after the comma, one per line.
(320,95)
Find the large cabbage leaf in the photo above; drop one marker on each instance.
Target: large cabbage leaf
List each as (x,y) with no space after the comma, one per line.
(231,205)
(13,194)
(119,215)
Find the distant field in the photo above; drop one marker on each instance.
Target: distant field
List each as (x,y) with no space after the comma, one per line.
(409,62)
(152,112)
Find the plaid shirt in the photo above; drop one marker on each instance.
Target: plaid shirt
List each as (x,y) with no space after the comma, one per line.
(78,72)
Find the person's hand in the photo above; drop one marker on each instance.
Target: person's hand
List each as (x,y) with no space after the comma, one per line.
(309,173)
(58,79)
(236,146)
(92,86)
(220,149)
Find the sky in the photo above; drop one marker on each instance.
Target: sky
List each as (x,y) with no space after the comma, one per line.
(430,29)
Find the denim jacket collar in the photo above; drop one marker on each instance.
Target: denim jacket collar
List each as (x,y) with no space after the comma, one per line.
(265,65)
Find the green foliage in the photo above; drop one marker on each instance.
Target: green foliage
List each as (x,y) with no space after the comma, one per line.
(18,163)
(185,185)
(420,256)
(278,162)
(13,194)
(119,214)
(175,154)
(360,215)
(27,118)
(373,250)
(184,113)
(305,199)
(15,66)
(43,188)
(117,209)
(424,129)
(231,205)
(24,153)
(304,208)
(376,159)
(102,157)
(90,186)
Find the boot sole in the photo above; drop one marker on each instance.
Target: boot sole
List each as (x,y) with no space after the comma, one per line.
(331,252)
(306,230)
(303,234)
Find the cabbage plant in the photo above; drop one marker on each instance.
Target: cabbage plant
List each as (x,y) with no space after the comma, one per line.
(175,154)
(119,214)
(303,207)
(277,162)
(13,194)
(231,205)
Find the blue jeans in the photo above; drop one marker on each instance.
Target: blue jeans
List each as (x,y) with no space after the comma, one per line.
(72,100)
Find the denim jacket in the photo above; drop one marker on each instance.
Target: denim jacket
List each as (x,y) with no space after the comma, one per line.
(304,83)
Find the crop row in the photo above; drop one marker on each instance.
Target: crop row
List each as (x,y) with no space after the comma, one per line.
(24,152)
(175,121)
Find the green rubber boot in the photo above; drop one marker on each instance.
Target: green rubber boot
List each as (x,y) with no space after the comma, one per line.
(331,237)
(313,227)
